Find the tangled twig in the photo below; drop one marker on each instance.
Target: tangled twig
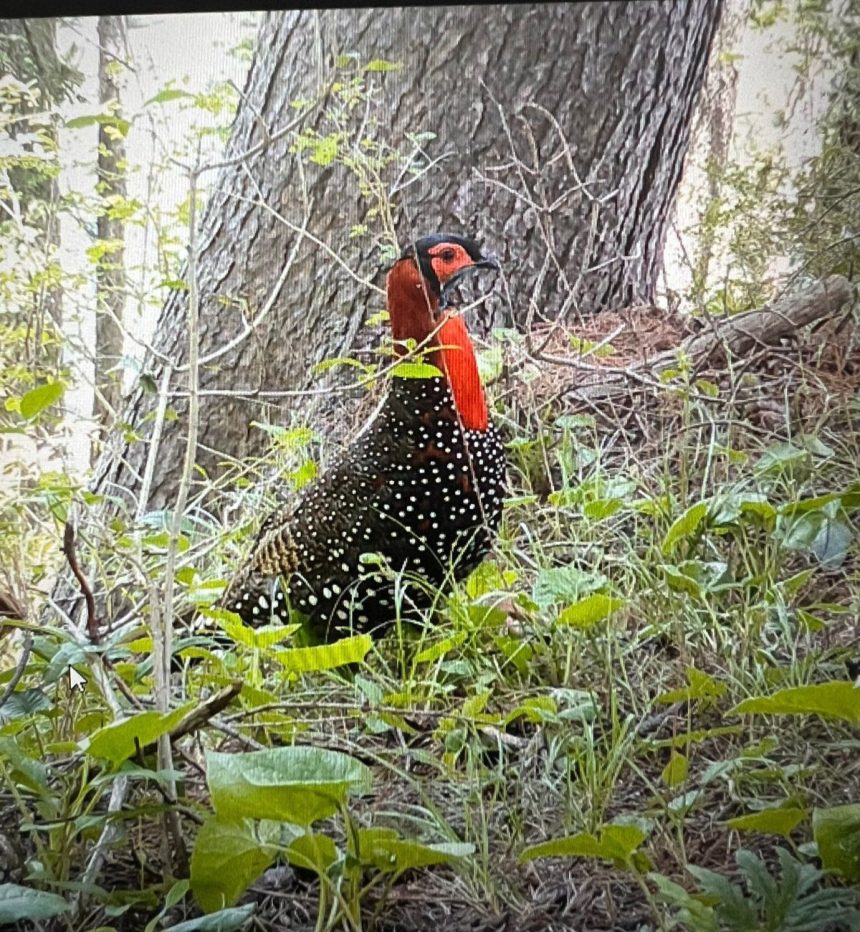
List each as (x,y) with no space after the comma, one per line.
(86,591)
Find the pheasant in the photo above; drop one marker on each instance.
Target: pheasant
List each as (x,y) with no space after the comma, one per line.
(418,493)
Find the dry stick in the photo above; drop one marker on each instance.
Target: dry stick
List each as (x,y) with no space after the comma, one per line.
(86,591)
(154,442)
(163,632)
(200,714)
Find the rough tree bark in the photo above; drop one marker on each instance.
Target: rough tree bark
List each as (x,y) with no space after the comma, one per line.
(110,273)
(564,129)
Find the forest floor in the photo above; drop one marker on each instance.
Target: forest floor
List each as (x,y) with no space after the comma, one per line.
(668,552)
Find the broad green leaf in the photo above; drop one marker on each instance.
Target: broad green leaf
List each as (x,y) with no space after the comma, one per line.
(227,858)
(19,904)
(534,709)
(23,703)
(691,911)
(120,740)
(685,525)
(675,772)
(490,364)
(822,532)
(385,850)
(781,456)
(696,577)
(613,843)
(835,699)
(837,834)
(586,613)
(564,584)
(602,508)
(325,656)
(313,851)
(732,507)
(37,399)
(487,577)
(773,821)
(416,370)
(24,769)
(259,638)
(293,784)
(682,804)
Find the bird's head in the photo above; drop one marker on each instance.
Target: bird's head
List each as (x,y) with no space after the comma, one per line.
(421,281)
(444,259)
(419,285)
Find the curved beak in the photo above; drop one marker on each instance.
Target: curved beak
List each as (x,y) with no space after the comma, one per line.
(488,262)
(485,262)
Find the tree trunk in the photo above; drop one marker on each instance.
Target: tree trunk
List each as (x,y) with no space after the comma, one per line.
(561,132)
(110,271)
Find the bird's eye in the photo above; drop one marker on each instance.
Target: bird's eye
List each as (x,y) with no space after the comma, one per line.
(447,254)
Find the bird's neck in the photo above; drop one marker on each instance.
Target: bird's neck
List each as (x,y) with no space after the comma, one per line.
(461,370)
(411,307)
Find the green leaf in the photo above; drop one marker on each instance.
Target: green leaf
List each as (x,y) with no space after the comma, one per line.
(836,699)
(701,686)
(37,399)
(780,456)
(685,525)
(696,577)
(325,656)
(18,904)
(81,122)
(380,64)
(385,850)
(691,912)
(675,772)
(120,740)
(168,94)
(613,843)
(313,851)
(564,584)
(837,834)
(25,702)
(325,150)
(293,784)
(586,613)
(773,821)
(25,770)
(416,370)
(490,364)
(440,648)
(227,858)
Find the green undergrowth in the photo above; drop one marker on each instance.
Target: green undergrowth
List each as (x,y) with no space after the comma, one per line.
(650,684)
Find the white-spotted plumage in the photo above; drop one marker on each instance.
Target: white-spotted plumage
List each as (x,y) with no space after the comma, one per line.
(416,492)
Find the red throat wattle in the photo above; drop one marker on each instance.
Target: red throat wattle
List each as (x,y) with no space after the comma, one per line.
(461,368)
(411,308)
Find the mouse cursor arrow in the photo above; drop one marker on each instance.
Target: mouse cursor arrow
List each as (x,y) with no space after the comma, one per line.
(76,681)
